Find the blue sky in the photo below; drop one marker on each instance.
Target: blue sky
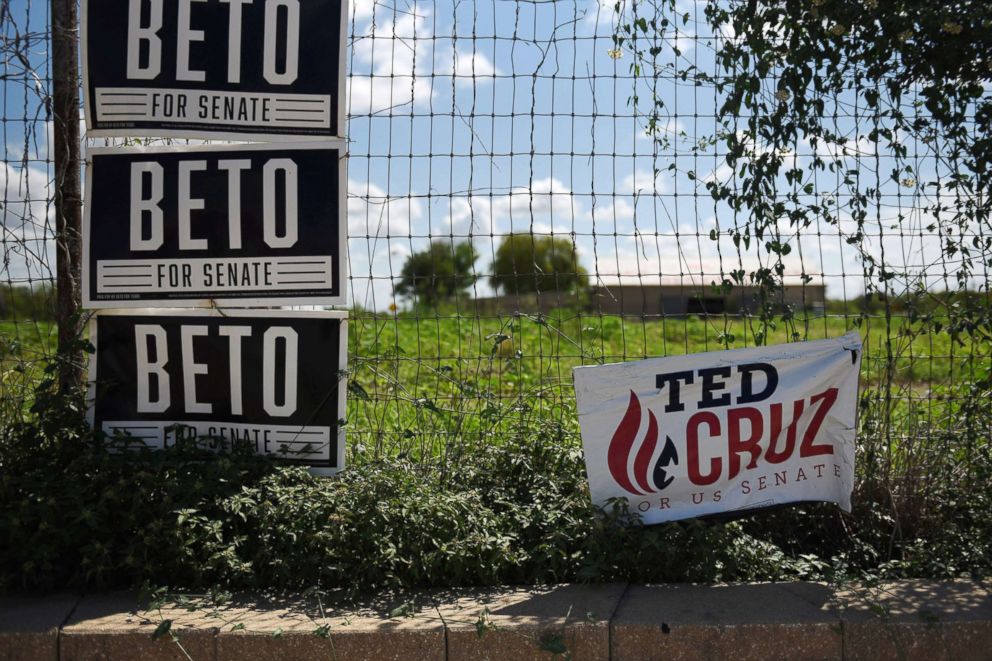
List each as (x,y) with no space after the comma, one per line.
(469,120)
(545,138)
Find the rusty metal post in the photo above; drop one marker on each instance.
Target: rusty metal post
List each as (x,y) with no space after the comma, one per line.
(68,199)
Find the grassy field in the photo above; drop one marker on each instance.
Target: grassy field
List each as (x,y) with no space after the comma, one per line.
(420,383)
(550,346)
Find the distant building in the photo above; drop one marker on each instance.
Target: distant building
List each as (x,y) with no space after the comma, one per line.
(680,300)
(655,300)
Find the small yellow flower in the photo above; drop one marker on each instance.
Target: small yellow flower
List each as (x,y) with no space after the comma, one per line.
(908,182)
(905,35)
(782,95)
(392,307)
(837,29)
(615,53)
(953,28)
(871,4)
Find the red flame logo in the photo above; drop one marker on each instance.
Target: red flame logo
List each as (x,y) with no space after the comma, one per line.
(638,481)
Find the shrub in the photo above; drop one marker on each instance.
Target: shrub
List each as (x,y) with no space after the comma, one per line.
(75,511)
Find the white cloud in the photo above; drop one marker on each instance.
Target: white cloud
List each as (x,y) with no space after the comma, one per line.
(28,222)
(861,146)
(363,10)
(603,12)
(396,56)
(619,208)
(24,192)
(636,193)
(372,212)
(464,65)
(471,215)
(644,182)
(391,61)
(548,195)
(683,40)
(376,95)
(752,151)
(721,174)
(547,202)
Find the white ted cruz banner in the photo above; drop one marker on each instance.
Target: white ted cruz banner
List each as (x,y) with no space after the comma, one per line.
(688,436)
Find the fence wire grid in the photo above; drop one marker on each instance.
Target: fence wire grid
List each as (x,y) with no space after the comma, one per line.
(517,206)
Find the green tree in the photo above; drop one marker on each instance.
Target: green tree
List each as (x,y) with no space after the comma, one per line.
(528,263)
(441,272)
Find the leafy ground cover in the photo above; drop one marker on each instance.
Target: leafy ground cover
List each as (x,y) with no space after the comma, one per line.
(26,348)
(466,468)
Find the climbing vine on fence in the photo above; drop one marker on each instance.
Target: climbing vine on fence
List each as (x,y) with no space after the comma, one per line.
(827,109)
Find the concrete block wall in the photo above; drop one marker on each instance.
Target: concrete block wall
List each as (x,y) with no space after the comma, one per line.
(897,620)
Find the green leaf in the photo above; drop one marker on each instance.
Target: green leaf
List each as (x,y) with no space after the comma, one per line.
(164,627)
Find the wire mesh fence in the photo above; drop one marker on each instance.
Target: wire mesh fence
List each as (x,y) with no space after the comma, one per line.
(27,301)
(528,193)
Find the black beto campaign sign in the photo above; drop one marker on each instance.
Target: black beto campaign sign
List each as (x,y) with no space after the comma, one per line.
(213,68)
(242,224)
(269,380)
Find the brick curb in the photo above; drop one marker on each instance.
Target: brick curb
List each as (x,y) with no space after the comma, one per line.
(896,620)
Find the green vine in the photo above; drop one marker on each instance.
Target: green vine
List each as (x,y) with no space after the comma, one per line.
(866,86)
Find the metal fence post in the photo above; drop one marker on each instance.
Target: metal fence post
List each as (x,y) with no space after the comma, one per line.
(65,115)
